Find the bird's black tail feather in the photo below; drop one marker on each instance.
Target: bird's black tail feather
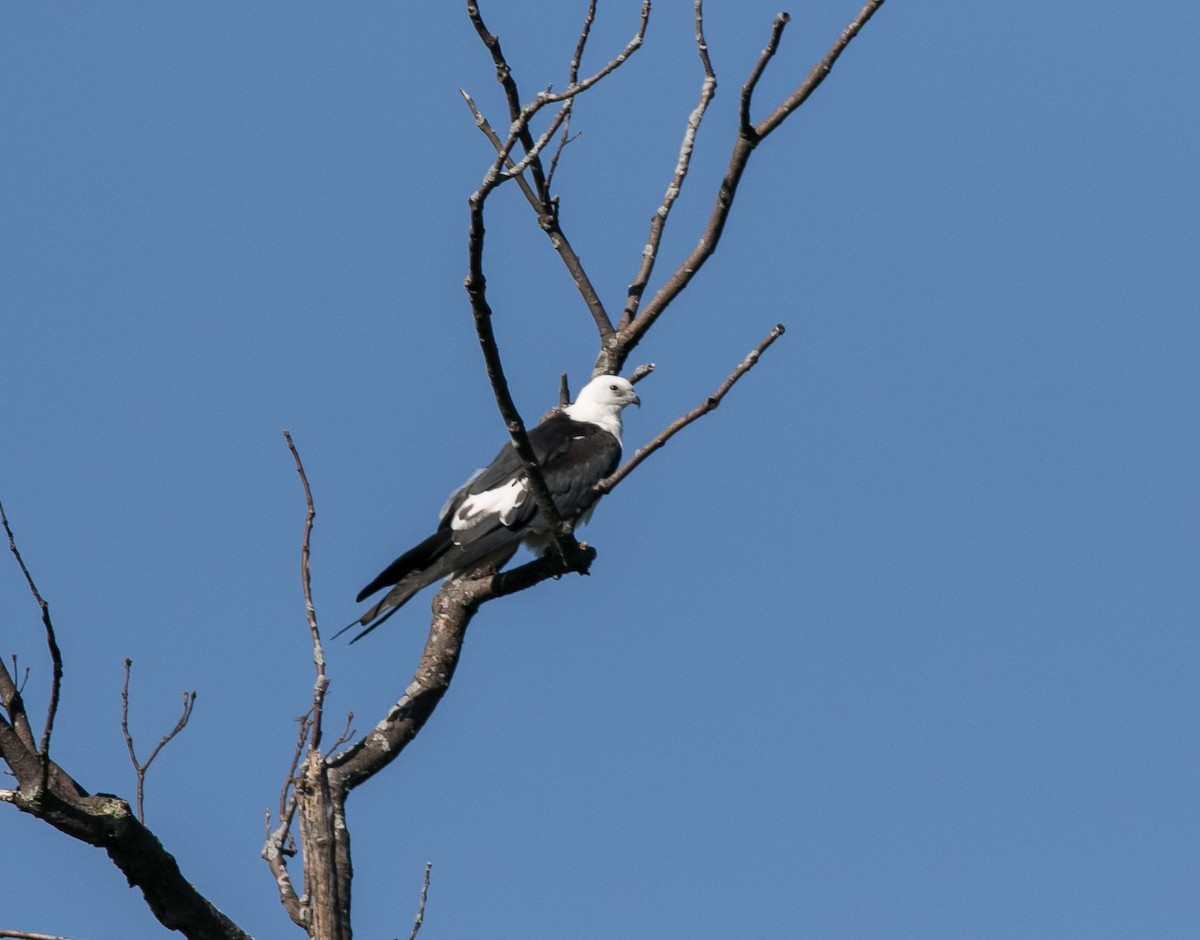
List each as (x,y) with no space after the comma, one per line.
(435,558)
(360,621)
(421,556)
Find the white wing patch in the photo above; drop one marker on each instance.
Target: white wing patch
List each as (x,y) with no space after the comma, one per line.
(500,503)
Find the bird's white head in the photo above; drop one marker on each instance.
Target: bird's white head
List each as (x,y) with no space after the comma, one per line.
(601,400)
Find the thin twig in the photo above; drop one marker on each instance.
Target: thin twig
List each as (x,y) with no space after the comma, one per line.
(746,128)
(140,768)
(420,918)
(321,684)
(819,71)
(17,671)
(26,935)
(304,722)
(641,372)
(51,642)
(572,77)
(658,222)
(577,88)
(347,733)
(534,152)
(280,844)
(275,851)
(14,703)
(584,33)
(709,404)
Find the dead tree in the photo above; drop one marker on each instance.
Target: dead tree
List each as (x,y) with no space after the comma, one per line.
(322,776)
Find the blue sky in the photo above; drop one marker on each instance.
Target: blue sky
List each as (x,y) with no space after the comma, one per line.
(900,642)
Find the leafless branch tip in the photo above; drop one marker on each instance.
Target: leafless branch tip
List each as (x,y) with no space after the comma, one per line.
(56,661)
(709,404)
(140,767)
(420,918)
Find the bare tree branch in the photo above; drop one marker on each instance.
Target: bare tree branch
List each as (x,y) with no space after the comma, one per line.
(819,71)
(573,76)
(658,221)
(56,662)
(346,734)
(321,684)
(49,793)
(309,794)
(546,209)
(746,128)
(279,845)
(454,606)
(109,823)
(275,850)
(519,131)
(749,137)
(539,196)
(709,404)
(641,372)
(506,80)
(139,768)
(420,918)
(26,935)
(317,786)
(14,703)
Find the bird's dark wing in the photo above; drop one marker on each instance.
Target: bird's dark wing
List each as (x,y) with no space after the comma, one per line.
(573,455)
(549,440)
(590,454)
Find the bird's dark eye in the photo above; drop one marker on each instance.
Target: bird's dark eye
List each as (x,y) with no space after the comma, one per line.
(612,388)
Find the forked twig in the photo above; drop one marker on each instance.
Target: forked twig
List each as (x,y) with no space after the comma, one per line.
(12,700)
(140,767)
(745,126)
(820,71)
(749,137)
(56,661)
(348,731)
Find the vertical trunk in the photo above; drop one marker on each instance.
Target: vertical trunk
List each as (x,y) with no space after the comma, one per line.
(326,849)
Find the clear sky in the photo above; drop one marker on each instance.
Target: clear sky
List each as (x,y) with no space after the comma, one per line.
(900,642)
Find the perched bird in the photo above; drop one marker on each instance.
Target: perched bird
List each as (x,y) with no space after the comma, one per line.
(490,515)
